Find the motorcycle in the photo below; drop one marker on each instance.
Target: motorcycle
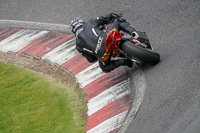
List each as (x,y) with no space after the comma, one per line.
(135,47)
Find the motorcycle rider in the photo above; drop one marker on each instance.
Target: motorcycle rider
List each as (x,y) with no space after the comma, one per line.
(88,40)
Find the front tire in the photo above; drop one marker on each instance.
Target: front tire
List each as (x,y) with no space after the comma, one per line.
(145,55)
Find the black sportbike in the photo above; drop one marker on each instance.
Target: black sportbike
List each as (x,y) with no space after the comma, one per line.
(135,47)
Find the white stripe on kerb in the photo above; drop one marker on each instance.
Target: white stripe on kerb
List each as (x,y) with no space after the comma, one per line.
(108,96)
(110,124)
(90,74)
(20,39)
(62,53)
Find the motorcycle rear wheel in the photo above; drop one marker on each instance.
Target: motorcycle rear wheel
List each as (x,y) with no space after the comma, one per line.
(143,54)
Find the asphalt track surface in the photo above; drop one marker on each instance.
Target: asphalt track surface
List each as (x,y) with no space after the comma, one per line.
(172,98)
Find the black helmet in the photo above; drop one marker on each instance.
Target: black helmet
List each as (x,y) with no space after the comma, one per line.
(75,24)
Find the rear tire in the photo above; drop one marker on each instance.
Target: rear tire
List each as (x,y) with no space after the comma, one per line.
(145,55)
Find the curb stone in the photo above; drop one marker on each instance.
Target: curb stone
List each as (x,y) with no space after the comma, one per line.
(109,95)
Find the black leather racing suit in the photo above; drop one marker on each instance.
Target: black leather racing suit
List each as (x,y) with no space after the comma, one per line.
(87,38)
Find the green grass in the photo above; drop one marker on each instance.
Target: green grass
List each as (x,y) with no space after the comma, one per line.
(35,103)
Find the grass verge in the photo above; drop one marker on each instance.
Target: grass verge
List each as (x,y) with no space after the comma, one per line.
(36,103)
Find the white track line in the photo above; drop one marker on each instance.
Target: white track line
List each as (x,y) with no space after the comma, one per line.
(140,85)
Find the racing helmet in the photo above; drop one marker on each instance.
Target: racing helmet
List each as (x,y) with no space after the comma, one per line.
(75,24)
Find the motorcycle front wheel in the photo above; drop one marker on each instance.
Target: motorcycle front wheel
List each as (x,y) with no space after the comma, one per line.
(145,55)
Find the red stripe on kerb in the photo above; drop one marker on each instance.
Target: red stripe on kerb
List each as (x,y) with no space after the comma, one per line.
(4,33)
(76,64)
(108,111)
(45,44)
(104,82)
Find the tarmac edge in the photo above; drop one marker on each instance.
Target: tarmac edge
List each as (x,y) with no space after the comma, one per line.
(34,25)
